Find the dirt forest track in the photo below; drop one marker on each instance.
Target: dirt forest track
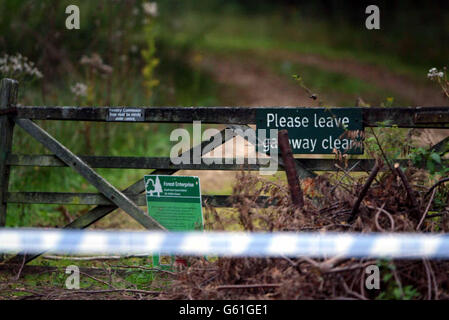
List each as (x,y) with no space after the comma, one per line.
(255,84)
(418,94)
(248,82)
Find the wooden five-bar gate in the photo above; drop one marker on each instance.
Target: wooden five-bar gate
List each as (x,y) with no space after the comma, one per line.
(110,198)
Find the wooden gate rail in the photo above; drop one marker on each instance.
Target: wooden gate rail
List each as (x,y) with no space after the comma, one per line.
(360,165)
(403,117)
(68,198)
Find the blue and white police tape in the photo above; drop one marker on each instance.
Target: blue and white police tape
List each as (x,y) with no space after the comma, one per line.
(375,245)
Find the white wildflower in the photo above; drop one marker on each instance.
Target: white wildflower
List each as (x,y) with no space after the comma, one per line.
(18,66)
(434,74)
(95,62)
(38,74)
(150,8)
(79,89)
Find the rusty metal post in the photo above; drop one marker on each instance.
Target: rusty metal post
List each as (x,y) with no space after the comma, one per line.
(290,169)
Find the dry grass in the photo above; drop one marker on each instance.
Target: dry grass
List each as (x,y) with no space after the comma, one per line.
(330,198)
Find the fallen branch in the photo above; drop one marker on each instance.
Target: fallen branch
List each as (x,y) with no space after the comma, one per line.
(98,280)
(110,291)
(324,266)
(51,257)
(429,280)
(408,188)
(364,191)
(146,269)
(376,218)
(248,286)
(34,293)
(353,267)
(436,185)
(345,174)
(21,267)
(382,150)
(427,210)
(349,291)
(440,214)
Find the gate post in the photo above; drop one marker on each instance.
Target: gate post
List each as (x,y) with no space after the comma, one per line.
(8,99)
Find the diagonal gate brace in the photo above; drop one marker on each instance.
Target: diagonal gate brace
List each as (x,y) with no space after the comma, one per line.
(303,172)
(103,186)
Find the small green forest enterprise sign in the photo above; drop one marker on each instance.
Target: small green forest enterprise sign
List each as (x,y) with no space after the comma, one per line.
(175,202)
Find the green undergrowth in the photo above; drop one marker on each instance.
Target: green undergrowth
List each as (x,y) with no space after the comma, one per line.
(127,273)
(273,33)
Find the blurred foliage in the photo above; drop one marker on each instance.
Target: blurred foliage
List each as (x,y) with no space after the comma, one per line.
(417,32)
(37,30)
(413,35)
(151,62)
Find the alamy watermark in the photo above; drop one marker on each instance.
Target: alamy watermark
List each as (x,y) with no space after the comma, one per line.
(372,281)
(184,153)
(73,20)
(73,280)
(372,22)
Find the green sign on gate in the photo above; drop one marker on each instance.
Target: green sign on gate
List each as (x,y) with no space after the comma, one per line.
(175,202)
(313,130)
